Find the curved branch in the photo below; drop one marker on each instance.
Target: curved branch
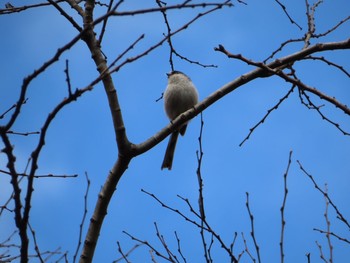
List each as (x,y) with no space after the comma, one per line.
(260,72)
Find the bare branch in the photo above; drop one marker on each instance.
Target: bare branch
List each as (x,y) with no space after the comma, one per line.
(22,133)
(283,221)
(328,223)
(332,29)
(339,215)
(206,226)
(146,243)
(200,191)
(161,238)
(104,24)
(36,152)
(172,49)
(287,14)
(312,106)
(36,247)
(66,71)
(246,249)
(323,59)
(122,253)
(64,14)
(126,150)
(28,80)
(13,9)
(75,5)
(281,47)
(83,217)
(262,70)
(163,11)
(333,234)
(308,256)
(251,130)
(42,175)
(150,49)
(252,233)
(125,255)
(179,247)
(294,80)
(178,6)
(321,252)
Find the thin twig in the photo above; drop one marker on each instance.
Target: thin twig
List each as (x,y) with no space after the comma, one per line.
(161,238)
(330,63)
(153,249)
(275,107)
(176,6)
(104,24)
(199,154)
(84,216)
(17,9)
(333,234)
(124,256)
(246,248)
(332,29)
(171,47)
(23,133)
(42,176)
(328,223)
(287,14)
(252,233)
(179,247)
(36,247)
(283,221)
(66,71)
(127,253)
(321,252)
(206,226)
(64,14)
(184,27)
(339,215)
(308,256)
(310,105)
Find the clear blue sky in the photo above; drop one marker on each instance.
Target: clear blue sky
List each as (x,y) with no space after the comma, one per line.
(81,137)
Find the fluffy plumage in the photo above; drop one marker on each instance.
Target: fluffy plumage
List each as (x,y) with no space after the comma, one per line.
(179,96)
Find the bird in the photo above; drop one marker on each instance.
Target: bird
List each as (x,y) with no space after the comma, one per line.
(179,96)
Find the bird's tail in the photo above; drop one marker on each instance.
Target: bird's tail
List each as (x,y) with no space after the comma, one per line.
(170,149)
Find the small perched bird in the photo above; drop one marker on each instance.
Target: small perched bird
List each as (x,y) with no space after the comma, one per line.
(179,96)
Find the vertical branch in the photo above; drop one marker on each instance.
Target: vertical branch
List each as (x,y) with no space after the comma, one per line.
(100,211)
(246,249)
(321,252)
(252,233)
(200,189)
(84,216)
(179,248)
(310,21)
(104,24)
(328,223)
(36,247)
(66,71)
(123,144)
(283,222)
(199,174)
(36,153)
(8,150)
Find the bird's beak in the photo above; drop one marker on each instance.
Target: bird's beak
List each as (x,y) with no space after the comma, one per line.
(168,74)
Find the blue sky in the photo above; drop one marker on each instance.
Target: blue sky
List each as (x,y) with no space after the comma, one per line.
(81,138)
